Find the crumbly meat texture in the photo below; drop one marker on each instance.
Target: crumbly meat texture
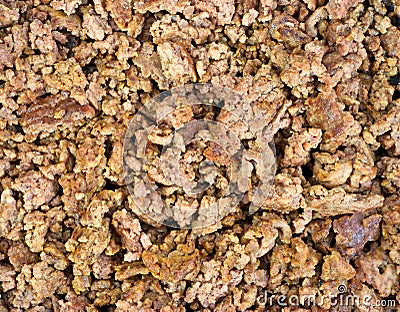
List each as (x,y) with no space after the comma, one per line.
(324,74)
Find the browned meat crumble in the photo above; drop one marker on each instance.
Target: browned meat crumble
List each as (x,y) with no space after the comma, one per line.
(325,74)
